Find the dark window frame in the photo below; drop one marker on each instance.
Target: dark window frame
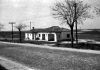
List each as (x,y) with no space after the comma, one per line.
(43,37)
(68,35)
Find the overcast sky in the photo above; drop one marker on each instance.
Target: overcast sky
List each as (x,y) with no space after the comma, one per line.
(38,12)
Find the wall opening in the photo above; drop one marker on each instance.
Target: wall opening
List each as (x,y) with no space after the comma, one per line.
(50,37)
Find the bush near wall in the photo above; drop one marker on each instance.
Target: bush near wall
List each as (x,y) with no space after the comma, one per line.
(81,46)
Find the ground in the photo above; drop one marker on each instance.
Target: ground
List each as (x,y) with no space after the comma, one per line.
(50,59)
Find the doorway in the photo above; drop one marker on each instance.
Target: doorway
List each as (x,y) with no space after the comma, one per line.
(50,37)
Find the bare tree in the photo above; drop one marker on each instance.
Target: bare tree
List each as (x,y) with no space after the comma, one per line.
(97,11)
(20,27)
(70,11)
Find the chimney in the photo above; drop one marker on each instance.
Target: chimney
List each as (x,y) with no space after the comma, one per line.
(33,28)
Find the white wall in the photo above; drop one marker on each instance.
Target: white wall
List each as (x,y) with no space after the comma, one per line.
(28,36)
(46,36)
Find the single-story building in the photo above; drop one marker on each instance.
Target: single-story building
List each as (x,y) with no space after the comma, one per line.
(51,34)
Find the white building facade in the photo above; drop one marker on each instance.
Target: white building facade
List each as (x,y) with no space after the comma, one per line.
(41,36)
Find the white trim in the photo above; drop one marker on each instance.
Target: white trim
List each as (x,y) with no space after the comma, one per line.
(46,36)
(55,37)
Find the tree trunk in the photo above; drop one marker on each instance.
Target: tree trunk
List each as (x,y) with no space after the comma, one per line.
(76,34)
(76,23)
(72,39)
(20,36)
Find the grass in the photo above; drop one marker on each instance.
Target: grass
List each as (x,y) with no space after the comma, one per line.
(94,35)
(47,59)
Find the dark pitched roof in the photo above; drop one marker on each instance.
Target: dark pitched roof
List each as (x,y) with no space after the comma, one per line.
(51,29)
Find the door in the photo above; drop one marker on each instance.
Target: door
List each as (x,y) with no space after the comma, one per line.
(43,36)
(50,37)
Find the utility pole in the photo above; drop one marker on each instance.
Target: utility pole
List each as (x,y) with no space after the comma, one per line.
(30,25)
(12,28)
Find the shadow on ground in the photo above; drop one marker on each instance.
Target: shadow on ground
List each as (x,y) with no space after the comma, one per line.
(2,68)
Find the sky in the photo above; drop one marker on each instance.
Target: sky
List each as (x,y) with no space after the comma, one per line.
(38,12)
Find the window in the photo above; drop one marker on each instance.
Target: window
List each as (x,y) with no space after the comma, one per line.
(39,35)
(43,36)
(68,35)
(33,36)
